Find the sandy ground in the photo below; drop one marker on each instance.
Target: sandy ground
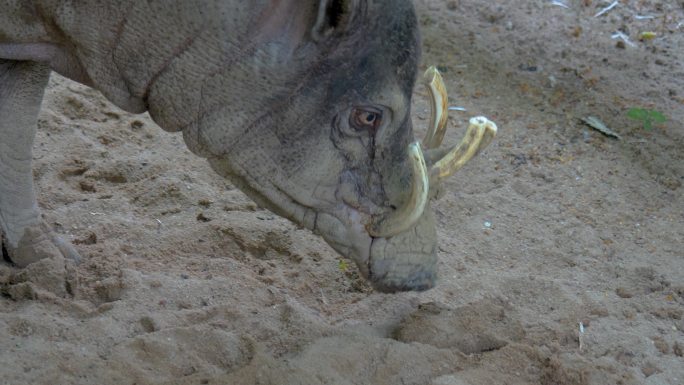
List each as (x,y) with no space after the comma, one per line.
(186,281)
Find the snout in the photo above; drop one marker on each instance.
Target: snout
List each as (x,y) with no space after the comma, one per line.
(403,251)
(416,278)
(406,261)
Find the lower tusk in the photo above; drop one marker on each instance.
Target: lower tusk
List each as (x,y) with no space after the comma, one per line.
(406,217)
(480,133)
(438,108)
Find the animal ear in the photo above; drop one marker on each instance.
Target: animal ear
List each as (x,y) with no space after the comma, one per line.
(333,16)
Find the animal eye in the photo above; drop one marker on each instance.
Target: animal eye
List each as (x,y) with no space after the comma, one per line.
(365,119)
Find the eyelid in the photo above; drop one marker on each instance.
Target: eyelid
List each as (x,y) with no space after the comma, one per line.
(369,109)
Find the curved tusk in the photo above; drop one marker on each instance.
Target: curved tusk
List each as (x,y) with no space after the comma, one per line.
(480,133)
(438,108)
(406,217)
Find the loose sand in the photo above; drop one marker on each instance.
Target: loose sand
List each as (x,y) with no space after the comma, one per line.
(186,281)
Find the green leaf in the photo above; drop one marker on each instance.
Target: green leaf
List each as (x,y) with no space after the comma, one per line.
(647,124)
(647,117)
(637,113)
(657,116)
(343,266)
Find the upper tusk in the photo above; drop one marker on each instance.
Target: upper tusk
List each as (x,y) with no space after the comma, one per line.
(480,133)
(438,108)
(405,218)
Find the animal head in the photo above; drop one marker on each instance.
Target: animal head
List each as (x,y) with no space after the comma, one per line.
(308,112)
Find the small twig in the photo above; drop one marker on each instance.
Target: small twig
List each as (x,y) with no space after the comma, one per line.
(159,226)
(620,35)
(581,333)
(606,9)
(454,108)
(643,17)
(560,4)
(325,301)
(599,126)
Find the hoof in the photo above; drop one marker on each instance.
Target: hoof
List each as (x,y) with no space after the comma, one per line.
(37,243)
(46,262)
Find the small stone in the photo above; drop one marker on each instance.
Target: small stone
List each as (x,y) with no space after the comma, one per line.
(87,186)
(623,293)
(109,290)
(661,345)
(620,44)
(148,324)
(202,218)
(453,4)
(678,349)
(204,203)
(89,239)
(649,369)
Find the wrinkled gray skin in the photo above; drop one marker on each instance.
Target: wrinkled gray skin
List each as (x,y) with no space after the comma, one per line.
(263,90)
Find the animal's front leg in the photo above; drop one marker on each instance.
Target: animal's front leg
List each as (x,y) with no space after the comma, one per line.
(26,238)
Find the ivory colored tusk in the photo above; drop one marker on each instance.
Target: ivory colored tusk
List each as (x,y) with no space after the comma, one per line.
(406,217)
(480,133)
(438,108)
